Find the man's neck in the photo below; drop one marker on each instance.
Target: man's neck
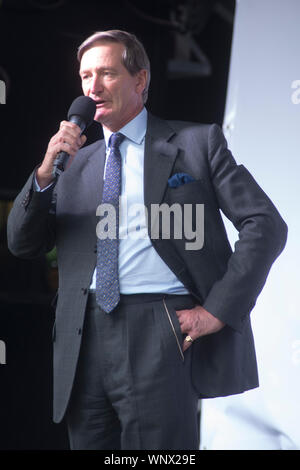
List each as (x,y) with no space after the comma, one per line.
(115,127)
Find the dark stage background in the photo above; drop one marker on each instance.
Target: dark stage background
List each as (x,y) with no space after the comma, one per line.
(188,43)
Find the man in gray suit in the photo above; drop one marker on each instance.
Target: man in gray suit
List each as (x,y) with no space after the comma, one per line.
(128,372)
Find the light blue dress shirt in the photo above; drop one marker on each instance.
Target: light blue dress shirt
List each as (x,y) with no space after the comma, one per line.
(141,269)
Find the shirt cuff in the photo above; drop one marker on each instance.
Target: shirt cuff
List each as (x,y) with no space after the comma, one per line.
(36,186)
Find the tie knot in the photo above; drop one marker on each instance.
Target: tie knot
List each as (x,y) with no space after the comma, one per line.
(116,140)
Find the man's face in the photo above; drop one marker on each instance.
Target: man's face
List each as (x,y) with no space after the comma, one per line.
(118,94)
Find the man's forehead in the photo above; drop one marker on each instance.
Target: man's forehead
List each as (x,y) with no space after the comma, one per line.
(103,49)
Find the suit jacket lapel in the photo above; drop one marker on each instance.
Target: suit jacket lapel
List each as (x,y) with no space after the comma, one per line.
(160,156)
(93,176)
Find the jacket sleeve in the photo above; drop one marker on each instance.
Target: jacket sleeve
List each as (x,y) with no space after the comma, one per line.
(31,222)
(262,234)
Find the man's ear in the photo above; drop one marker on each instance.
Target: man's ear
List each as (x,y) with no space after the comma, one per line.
(141,80)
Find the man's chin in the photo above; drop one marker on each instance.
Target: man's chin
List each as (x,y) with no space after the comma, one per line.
(101,116)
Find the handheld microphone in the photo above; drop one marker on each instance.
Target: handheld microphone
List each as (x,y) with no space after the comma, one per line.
(81,112)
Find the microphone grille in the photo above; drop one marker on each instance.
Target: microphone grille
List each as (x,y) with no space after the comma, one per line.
(84,107)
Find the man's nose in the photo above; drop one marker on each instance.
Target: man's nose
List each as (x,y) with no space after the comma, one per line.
(96,85)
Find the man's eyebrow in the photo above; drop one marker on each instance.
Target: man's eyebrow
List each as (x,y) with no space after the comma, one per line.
(98,69)
(82,71)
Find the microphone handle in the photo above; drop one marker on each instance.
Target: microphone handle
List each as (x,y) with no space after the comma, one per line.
(62,158)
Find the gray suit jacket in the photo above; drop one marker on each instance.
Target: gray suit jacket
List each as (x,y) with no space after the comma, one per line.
(226,284)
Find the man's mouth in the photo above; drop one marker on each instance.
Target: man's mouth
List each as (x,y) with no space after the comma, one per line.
(100,103)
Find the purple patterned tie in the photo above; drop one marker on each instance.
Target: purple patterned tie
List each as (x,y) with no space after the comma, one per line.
(107,279)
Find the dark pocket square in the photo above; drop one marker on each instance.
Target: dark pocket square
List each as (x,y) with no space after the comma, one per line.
(179,179)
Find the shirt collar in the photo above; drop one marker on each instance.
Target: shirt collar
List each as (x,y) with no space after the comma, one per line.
(134,130)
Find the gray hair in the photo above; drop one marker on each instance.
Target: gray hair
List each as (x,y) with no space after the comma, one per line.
(134,56)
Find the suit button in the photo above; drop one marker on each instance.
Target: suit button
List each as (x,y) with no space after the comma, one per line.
(79,331)
(84,290)
(25,199)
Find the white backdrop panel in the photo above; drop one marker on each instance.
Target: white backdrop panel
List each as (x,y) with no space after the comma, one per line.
(262,126)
